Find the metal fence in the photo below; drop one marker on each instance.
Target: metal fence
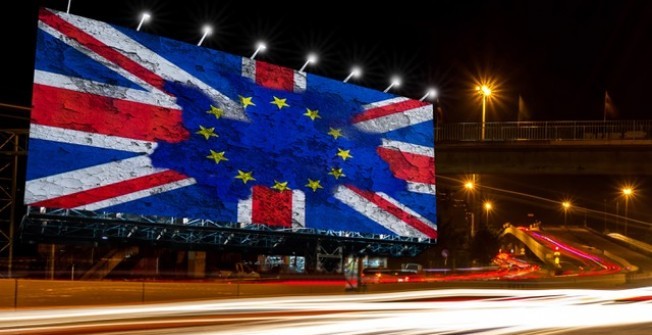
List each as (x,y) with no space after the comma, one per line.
(545,131)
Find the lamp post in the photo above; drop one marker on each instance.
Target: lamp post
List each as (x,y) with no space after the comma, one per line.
(470,186)
(627,192)
(487,206)
(485,92)
(566,205)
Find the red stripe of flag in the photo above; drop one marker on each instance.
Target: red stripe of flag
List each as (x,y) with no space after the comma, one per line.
(271,207)
(409,166)
(396,211)
(100,48)
(98,114)
(111,191)
(381,111)
(274,76)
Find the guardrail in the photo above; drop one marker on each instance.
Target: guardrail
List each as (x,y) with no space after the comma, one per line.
(545,131)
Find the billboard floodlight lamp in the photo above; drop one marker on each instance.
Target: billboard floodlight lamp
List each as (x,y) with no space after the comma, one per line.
(312,59)
(207,31)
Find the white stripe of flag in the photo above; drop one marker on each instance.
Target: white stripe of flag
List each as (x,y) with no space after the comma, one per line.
(384,103)
(138,195)
(397,120)
(421,188)
(377,214)
(85,179)
(408,147)
(155,98)
(96,140)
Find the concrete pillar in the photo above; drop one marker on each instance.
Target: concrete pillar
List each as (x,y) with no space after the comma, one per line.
(197,264)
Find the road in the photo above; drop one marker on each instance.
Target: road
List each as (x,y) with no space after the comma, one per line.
(451,311)
(582,238)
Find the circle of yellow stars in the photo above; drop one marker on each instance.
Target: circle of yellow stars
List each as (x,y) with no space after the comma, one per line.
(246,176)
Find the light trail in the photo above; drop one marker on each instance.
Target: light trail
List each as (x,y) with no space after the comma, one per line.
(480,311)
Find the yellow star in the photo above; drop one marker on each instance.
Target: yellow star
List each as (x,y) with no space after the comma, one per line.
(313,184)
(245,176)
(312,114)
(337,173)
(280,103)
(344,154)
(246,101)
(206,132)
(217,156)
(280,186)
(335,132)
(218,112)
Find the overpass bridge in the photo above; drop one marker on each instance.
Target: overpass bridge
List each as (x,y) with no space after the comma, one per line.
(582,246)
(545,147)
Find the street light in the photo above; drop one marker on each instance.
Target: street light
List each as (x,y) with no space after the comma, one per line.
(566,205)
(627,192)
(469,185)
(487,206)
(485,92)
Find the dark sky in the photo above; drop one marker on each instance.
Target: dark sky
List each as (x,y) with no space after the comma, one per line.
(559,56)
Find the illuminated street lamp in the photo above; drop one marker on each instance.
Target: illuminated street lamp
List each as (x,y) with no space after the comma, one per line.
(431,93)
(207,31)
(355,72)
(566,205)
(488,206)
(396,81)
(145,17)
(259,47)
(312,58)
(627,192)
(485,92)
(469,185)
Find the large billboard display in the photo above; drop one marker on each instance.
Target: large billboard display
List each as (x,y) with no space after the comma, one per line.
(128,122)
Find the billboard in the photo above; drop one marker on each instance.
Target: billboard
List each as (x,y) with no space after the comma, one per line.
(128,122)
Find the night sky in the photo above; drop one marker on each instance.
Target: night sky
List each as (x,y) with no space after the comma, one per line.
(559,56)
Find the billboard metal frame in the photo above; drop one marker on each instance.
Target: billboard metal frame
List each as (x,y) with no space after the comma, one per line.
(70,226)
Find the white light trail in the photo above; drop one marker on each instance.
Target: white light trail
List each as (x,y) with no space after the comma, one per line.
(485,311)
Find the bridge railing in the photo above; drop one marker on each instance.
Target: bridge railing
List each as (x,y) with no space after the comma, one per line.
(545,131)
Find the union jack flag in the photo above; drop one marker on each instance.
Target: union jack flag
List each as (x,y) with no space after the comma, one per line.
(129,122)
